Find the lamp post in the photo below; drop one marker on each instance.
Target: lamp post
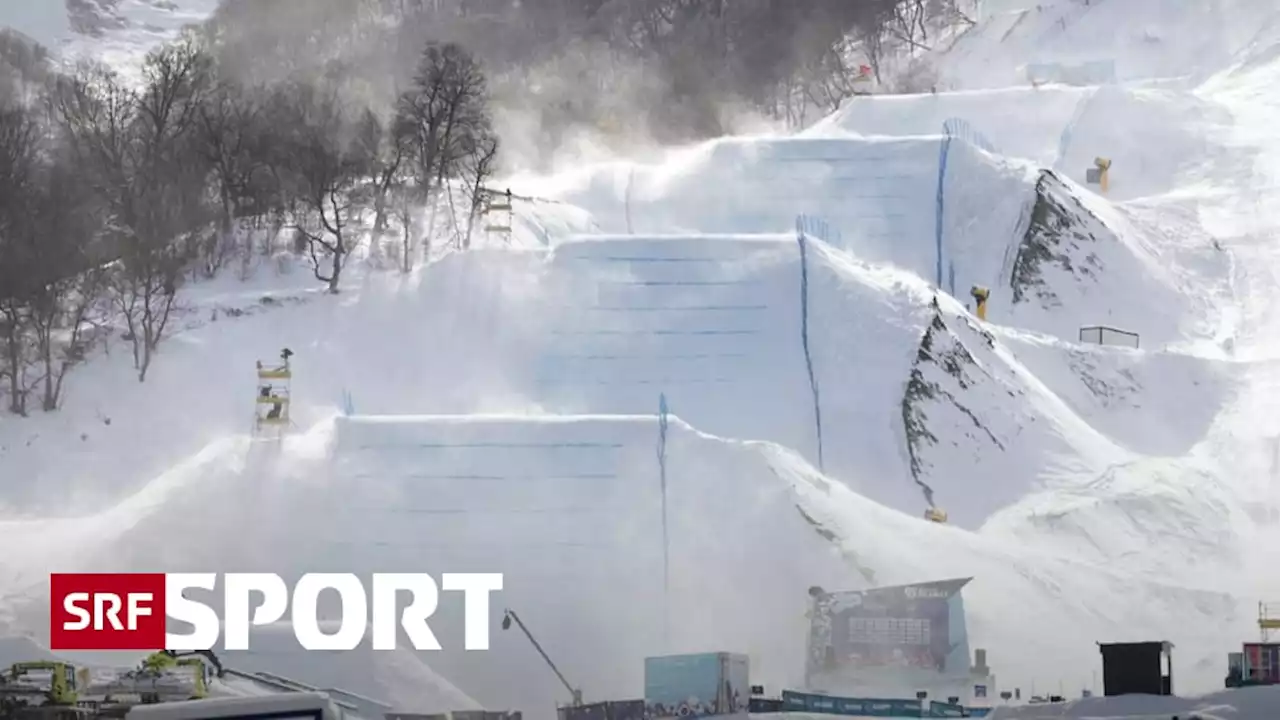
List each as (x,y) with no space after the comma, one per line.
(510,615)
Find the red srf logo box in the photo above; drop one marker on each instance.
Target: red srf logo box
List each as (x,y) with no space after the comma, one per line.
(106,611)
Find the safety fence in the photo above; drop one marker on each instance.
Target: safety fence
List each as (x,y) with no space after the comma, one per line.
(1096,72)
(805,226)
(1106,335)
(687,323)
(662,488)
(673,318)
(478,484)
(952,129)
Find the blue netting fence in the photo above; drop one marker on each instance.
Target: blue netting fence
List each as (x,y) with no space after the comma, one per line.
(804,227)
(952,129)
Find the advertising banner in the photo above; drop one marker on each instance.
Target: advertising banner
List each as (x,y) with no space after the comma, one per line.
(696,685)
(895,627)
(946,710)
(863,707)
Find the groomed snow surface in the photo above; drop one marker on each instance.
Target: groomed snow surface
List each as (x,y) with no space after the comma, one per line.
(505,401)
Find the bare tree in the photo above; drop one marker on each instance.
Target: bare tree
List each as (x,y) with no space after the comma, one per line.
(231,141)
(49,276)
(19,152)
(68,275)
(478,169)
(387,144)
(326,165)
(141,149)
(407,212)
(444,115)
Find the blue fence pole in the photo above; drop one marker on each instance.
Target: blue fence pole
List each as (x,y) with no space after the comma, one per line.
(942,178)
(952,128)
(666,539)
(802,240)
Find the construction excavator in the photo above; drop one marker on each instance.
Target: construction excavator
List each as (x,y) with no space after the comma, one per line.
(41,690)
(169,675)
(54,690)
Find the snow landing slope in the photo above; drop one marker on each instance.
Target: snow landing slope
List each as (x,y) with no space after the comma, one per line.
(995,222)
(607,324)
(919,400)
(575,503)
(1085,503)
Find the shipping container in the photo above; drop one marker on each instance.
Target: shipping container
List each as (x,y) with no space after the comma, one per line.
(1262,663)
(696,685)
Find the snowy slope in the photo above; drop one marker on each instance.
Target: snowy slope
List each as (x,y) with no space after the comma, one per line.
(1024,122)
(518,318)
(607,324)
(116,32)
(1145,39)
(574,503)
(882,198)
(1096,493)
(398,679)
(121,32)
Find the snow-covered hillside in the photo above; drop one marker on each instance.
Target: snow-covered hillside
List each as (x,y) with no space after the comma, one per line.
(117,32)
(499,409)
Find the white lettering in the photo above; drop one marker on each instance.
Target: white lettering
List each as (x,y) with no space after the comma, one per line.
(197,614)
(475,609)
(106,610)
(134,609)
(306,621)
(71,603)
(239,589)
(424,598)
(106,606)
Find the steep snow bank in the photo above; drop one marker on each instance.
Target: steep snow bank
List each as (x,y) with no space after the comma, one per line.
(880,196)
(571,509)
(1145,39)
(1157,140)
(1023,122)
(1082,261)
(1123,394)
(608,325)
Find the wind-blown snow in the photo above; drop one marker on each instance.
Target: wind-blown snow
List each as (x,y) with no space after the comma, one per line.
(505,400)
(120,33)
